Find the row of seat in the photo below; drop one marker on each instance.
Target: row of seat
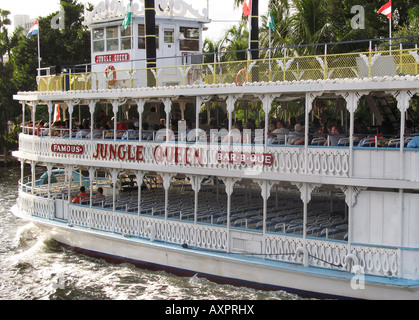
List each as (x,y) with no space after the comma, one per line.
(326,214)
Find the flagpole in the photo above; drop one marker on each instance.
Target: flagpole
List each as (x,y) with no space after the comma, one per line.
(391,42)
(270,48)
(39,53)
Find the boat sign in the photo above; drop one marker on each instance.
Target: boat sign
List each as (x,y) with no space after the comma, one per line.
(108,58)
(67,148)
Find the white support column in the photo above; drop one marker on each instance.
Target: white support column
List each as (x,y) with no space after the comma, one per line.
(140,107)
(70,104)
(167,177)
(92,106)
(229,185)
(403,101)
(310,97)
(33,105)
(167,108)
(230,101)
(33,164)
(140,177)
(305,193)
(23,103)
(115,105)
(92,172)
(49,172)
(199,101)
(50,109)
(350,198)
(196,186)
(265,187)
(69,172)
(22,174)
(267,100)
(114,175)
(352,99)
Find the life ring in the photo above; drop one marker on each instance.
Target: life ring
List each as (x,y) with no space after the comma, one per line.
(111,69)
(241,77)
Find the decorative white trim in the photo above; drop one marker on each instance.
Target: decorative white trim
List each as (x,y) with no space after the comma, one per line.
(117,9)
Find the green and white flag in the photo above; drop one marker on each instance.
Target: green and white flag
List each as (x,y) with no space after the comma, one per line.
(128,18)
(271,23)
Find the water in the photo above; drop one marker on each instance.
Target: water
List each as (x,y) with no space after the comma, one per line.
(33,267)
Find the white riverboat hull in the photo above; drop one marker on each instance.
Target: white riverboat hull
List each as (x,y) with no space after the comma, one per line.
(225,268)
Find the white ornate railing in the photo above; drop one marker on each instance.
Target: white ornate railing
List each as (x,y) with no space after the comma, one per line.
(37,206)
(329,254)
(178,232)
(249,159)
(372,260)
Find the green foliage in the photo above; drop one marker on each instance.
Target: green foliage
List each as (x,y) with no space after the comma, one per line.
(58,47)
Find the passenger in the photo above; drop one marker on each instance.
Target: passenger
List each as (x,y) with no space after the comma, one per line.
(271,136)
(81,196)
(414,143)
(234,136)
(97,132)
(297,137)
(153,118)
(82,133)
(131,133)
(334,137)
(280,128)
(99,194)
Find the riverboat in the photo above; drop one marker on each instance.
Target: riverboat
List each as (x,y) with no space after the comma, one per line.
(247,207)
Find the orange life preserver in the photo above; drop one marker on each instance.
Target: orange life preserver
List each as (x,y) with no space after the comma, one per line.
(240,74)
(111,69)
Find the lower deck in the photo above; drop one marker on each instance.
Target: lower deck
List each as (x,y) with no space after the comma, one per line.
(327,215)
(279,228)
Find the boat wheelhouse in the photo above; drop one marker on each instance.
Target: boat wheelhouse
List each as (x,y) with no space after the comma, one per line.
(245,206)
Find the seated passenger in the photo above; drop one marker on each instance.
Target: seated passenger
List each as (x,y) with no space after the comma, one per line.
(99,194)
(131,133)
(82,133)
(334,137)
(414,143)
(81,196)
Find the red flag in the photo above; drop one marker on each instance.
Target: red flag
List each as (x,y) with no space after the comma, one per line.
(57,113)
(246,8)
(386,10)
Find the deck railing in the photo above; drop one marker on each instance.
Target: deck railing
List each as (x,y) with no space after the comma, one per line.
(381,261)
(288,68)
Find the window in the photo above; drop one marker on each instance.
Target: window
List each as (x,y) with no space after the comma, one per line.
(112,41)
(141,37)
(98,40)
(126,38)
(169,36)
(191,39)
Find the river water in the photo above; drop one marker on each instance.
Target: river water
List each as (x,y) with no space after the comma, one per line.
(33,267)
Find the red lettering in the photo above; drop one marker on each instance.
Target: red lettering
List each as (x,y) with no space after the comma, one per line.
(140,156)
(112,152)
(121,152)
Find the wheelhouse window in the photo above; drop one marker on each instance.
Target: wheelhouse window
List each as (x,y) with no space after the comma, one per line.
(141,37)
(99,40)
(112,39)
(169,35)
(126,38)
(190,39)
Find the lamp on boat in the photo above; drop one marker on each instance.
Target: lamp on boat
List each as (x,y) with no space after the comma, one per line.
(181,36)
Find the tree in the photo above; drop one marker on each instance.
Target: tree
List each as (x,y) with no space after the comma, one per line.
(4,38)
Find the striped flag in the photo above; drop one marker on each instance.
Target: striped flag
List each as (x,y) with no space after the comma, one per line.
(57,113)
(271,23)
(128,18)
(386,10)
(33,30)
(246,8)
